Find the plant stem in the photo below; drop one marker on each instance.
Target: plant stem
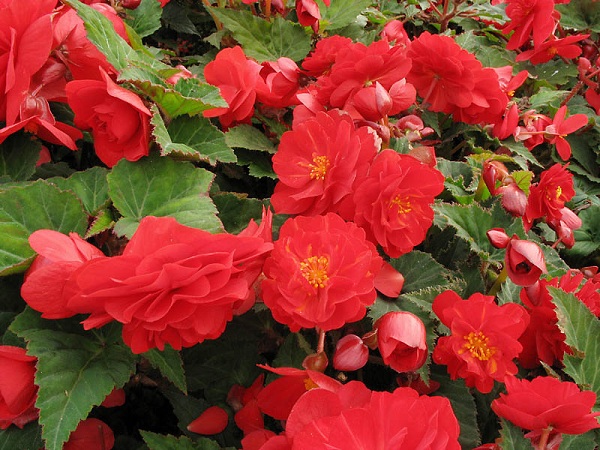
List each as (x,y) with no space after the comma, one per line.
(544,438)
(321,343)
(498,283)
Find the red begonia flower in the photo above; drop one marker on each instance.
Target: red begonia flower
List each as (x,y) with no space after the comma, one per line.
(395,33)
(548,197)
(527,18)
(320,162)
(401,340)
(47,287)
(393,203)
(91,434)
(547,403)
(355,418)
(213,420)
(546,51)
(281,82)
(237,78)
(561,127)
(118,118)
(17,391)
(483,341)
(308,12)
(524,261)
(321,59)
(321,273)
(173,284)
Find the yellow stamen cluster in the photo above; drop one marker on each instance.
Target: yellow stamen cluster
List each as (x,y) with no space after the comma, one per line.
(403,203)
(319,167)
(314,269)
(478,344)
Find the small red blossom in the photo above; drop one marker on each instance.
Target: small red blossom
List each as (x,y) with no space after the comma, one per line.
(281,82)
(322,273)
(173,284)
(237,78)
(321,59)
(118,118)
(483,341)
(401,340)
(546,51)
(320,162)
(308,13)
(393,203)
(547,198)
(555,133)
(546,403)
(17,389)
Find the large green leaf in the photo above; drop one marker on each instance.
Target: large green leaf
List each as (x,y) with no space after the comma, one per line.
(513,437)
(420,271)
(472,222)
(76,370)
(194,138)
(28,438)
(463,406)
(584,441)
(18,155)
(581,15)
(161,442)
(90,186)
(236,210)
(582,329)
(159,186)
(25,209)
(170,364)
(145,19)
(340,14)
(265,40)
(248,137)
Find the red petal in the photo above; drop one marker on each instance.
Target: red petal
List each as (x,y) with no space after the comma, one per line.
(212,421)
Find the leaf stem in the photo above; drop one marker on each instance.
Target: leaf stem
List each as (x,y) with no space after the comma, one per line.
(498,283)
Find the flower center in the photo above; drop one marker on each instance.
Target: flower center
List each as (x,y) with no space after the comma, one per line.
(314,269)
(477,344)
(558,192)
(403,203)
(319,167)
(309,384)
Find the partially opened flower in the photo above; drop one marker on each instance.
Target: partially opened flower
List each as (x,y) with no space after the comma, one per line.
(561,127)
(547,405)
(483,341)
(351,353)
(401,339)
(18,392)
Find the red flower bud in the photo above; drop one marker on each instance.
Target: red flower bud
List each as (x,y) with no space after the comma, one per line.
(212,421)
(130,4)
(524,261)
(498,237)
(351,353)
(514,200)
(402,341)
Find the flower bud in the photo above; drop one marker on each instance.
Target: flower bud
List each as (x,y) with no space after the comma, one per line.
(351,353)
(498,237)
(130,4)
(514,200)
(402,341)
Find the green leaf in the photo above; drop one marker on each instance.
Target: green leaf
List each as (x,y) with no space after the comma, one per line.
(488,54)
(581,15)
(259,163)
(587,238)
(215,366)
(548,97)
(265,40)
(513,437)
(28,438)
(189,96)
(420,271)
(340,14)
(198,138)
(472,222)
(292,352)
(170,364)
(90,186)
(582,329)
(236,210)
(250,138)
(167,442)
(76,370)
(463,405)
(176,16)
(145,19)
(584,441)
(102,222)
(159,186)
(18,156)
(36,206)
